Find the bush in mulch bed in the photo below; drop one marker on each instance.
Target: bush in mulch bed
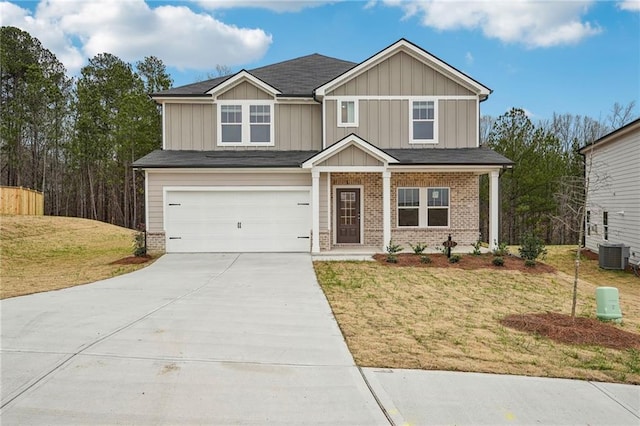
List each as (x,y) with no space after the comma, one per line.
(575,331)
(466,261)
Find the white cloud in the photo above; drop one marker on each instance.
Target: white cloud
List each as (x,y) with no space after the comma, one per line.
(280,6)
(468,57)
(533,23)
(131,30)
(631,5)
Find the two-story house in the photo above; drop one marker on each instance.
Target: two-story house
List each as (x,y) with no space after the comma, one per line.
(316,153)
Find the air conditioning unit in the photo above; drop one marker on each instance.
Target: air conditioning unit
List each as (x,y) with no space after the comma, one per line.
(613,256)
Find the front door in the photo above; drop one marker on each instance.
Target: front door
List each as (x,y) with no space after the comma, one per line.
(348,217)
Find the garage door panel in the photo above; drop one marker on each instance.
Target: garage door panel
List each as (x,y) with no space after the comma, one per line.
(239,221)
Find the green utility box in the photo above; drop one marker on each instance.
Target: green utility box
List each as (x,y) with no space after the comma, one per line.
(608,304)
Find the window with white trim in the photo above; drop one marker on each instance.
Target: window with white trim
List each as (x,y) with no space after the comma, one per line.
(347,113)
(423,127)
(245,123)
(437,207)
(423,207)
(408,206)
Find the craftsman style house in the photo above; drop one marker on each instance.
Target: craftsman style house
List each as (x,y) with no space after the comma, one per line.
(316,153)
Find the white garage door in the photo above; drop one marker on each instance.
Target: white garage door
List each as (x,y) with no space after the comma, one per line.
(237,221)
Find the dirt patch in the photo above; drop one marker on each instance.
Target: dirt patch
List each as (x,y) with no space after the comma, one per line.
(467,262)
(574,331)
(132,260)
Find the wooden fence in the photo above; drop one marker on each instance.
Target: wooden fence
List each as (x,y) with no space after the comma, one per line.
(18,200)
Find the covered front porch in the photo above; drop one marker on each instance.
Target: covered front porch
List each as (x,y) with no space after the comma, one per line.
(364,197)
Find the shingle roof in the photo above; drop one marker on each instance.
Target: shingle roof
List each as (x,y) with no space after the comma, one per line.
(222,159)
(452,156)
(260,159)
(295,77)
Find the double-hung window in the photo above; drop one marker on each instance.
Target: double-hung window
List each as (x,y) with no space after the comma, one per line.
(245,123)
(437,207)
(423,207)
(347,113)
(423,127)
(408,207)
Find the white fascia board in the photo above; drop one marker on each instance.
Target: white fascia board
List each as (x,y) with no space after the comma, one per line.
(225,170)
(480,169)
(346,142)
(416,52)
(200,99)
(239,78)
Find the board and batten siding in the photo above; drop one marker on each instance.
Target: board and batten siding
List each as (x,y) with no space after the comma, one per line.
(245,91)
(615,188)
(298,127)
(157,180)
(351,156)
(385,123)
(401,74)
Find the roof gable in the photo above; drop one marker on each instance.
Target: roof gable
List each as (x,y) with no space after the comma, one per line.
(240,78)
(415,52)
(371,152)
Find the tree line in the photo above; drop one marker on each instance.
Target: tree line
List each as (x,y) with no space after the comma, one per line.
(74,139)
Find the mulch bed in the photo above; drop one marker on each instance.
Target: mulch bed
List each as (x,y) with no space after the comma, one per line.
(132,260)
(467,261)
(574,331)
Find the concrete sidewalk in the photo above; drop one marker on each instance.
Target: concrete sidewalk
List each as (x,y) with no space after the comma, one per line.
(244,339)
(192,339)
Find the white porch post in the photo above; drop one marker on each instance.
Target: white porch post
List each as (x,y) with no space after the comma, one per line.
(493,210)
(315,209)
(386,208)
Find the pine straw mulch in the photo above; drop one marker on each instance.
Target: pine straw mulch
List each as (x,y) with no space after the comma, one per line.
(467,262)
(575,331)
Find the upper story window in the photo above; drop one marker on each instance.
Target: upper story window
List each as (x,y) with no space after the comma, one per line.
(245,123)
(424,126)
(348,113)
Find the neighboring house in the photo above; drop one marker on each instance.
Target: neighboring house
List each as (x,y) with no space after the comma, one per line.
(613,199)
(316,153)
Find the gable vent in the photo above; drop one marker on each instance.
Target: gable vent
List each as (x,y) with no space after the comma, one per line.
(613,256)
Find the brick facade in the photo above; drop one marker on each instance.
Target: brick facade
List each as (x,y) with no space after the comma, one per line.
(155,242)
(463,205)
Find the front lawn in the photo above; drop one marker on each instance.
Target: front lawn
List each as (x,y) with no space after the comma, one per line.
(448,318)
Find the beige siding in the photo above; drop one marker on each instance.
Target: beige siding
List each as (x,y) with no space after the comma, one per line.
(189,126)
(615,188)
(401,74)
(351,156)
(193,127)
(244,90)
(385,124)
(158,180)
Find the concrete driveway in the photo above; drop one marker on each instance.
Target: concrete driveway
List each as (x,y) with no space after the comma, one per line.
(192,339)
(244,339)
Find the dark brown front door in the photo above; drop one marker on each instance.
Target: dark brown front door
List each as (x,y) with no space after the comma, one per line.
(348,229)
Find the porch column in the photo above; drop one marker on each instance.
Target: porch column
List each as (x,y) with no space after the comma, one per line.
(386,208)
(493,210)
(315,211)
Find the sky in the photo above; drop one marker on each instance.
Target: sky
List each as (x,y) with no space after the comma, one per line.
(544,56)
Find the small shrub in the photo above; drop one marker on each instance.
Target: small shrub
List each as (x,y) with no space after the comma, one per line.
(476,248)
(419,248)
(532,248)
(140,242)
(501,250)
(498,261)
(455,258)
(529,263)
(392,252)
(425,259)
